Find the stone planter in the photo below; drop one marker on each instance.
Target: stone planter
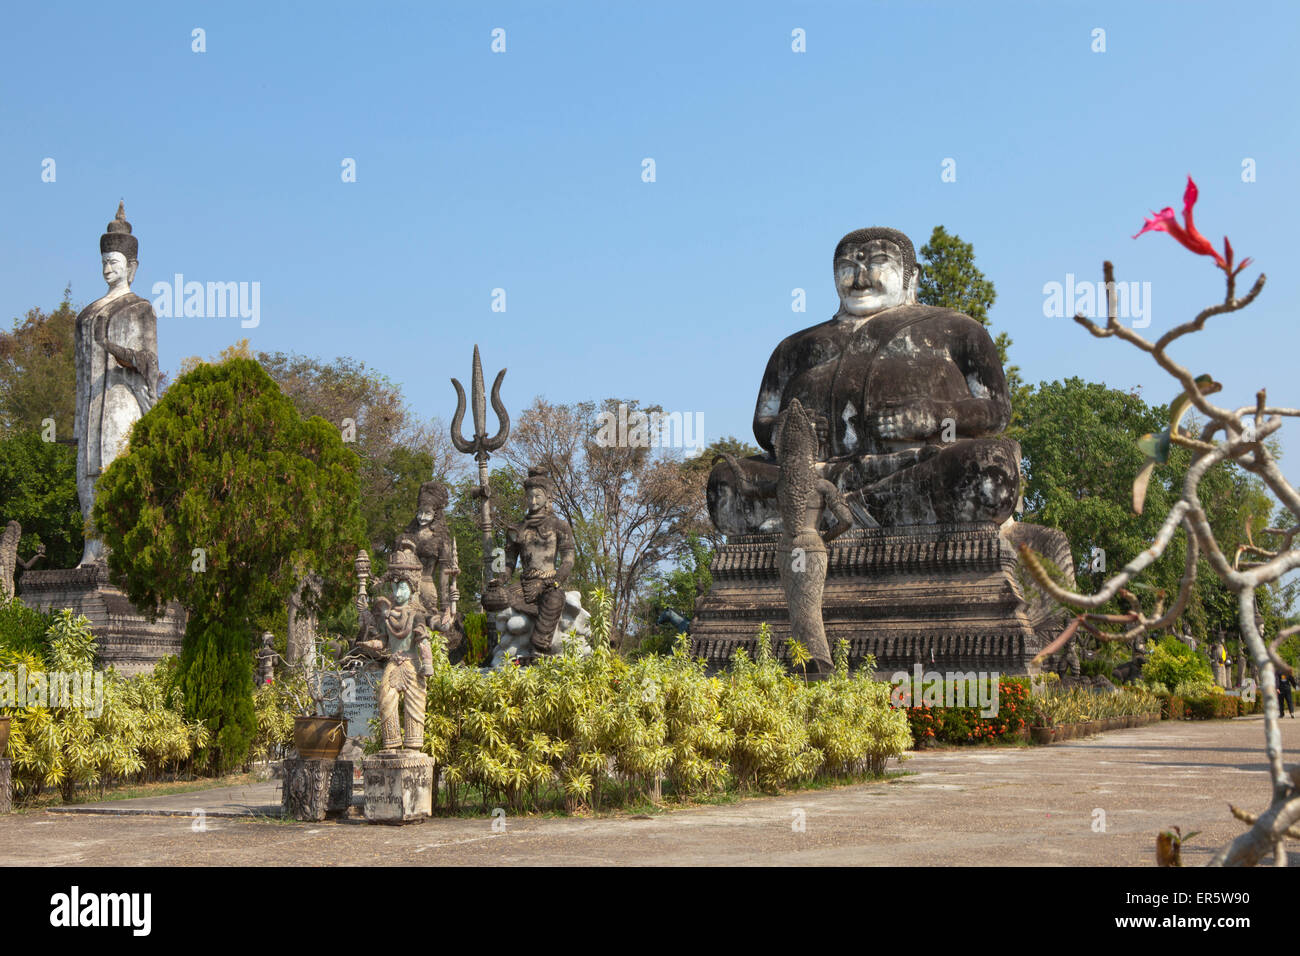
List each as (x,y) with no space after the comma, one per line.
(4,734)
(319,738)
(1042,735)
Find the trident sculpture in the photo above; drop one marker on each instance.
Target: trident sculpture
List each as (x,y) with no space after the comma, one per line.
(481,447)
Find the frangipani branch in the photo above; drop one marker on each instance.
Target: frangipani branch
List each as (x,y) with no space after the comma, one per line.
(1244,432)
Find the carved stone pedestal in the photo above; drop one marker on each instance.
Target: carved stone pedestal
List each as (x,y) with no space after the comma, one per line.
(127,639)
(399,787)
(945,596)
(314,789)
(6,785)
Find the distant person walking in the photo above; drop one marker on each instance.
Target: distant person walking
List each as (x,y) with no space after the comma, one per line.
(1285,683)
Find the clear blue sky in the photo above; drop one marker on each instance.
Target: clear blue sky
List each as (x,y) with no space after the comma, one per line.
(522,171)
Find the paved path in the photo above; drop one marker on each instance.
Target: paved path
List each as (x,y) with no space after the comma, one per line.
(977,806)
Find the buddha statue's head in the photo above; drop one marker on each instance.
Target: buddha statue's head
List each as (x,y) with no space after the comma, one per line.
(875,269)
(537,491)
(118,249)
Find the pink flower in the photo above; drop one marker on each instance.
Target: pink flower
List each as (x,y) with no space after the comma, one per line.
(1188,236)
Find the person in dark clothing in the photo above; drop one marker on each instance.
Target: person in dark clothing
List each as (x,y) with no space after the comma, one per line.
(1285,683)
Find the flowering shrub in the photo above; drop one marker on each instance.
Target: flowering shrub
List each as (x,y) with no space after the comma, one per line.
(964,725)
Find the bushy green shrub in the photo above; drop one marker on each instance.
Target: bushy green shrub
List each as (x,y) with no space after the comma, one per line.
(1171,662)
(137,733)
(216,678)
(570,730)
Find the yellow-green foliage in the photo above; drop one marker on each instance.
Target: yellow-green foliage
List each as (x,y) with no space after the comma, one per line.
(274,707)
(568,728)
(139,732)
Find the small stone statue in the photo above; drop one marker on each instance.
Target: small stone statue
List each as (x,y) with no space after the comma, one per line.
(1219,660)
(429,538)
(117,367)
(1073,665)
(266,659)
(909,402)
(9,559)
(535,605)
(393,630)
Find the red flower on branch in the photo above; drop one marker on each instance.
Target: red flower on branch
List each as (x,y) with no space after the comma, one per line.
(1188,236)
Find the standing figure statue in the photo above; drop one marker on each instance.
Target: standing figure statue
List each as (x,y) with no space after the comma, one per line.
(428,537)
(393,630)
(117,367)
(803,496)
(9,557)
(534,612)
(1219,660)
(266,659)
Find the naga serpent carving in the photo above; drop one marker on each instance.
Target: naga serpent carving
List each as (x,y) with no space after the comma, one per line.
(802,496)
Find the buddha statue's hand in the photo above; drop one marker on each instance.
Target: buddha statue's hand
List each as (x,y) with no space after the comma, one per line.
(918,419)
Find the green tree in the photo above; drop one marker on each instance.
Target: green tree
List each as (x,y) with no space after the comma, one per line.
(38,372)
(1079,441)
(951,280)
(224,496)
(398,450)
(38,485)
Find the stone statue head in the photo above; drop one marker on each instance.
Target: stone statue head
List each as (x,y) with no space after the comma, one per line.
(118,250)
(875,269)
(538,490)
(403,575)
(431,503)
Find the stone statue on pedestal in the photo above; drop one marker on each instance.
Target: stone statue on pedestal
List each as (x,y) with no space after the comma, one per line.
(117,367)
(9,560)
(908,401)
(531,612)
(393,630)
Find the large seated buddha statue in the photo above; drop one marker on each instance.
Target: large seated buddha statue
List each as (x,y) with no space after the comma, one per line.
(908,401)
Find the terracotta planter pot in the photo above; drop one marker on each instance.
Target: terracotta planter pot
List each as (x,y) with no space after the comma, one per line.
(1042,735)
(319,738)
(4,734)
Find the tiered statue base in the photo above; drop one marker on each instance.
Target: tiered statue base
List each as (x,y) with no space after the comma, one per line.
(399,787)
(6,785)
(127,639)
(315,789)
(945,596)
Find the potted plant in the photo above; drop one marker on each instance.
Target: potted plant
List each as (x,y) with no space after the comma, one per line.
(319,728)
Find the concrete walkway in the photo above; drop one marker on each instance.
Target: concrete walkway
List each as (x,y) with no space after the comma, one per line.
(1093,802)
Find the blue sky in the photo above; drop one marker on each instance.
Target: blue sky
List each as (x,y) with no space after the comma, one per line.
(522,171)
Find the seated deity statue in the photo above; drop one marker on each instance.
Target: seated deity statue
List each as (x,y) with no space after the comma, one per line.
(534,607)
(908,402)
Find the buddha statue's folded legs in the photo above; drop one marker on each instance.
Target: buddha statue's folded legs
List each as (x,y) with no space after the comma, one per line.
(970,480)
